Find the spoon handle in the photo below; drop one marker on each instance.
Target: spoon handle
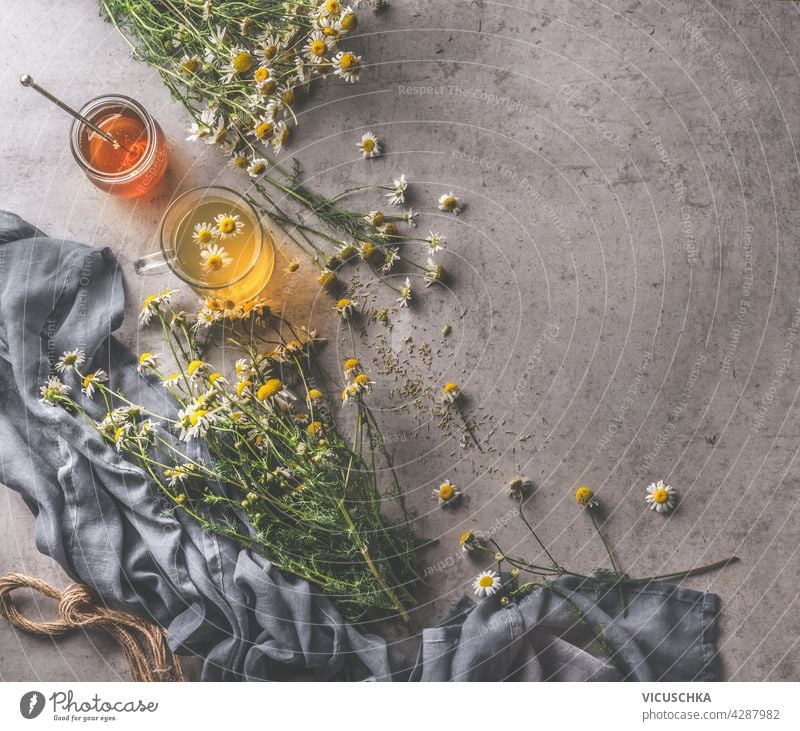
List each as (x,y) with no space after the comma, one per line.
(27,80)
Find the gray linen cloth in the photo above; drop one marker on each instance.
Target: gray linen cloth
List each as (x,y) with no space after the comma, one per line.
(103,521)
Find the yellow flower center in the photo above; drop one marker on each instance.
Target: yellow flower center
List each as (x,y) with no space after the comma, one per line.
(263,130)
(319,47)
(583,495)
(119,433)
(464,537)
(449,203)
(261,74)
(288,97)
(349,21)
(314,428)
(368,144)
(258,168)
(660,495)
(241,387)
(190,65)
(315,394)
(193,366)
(144,357)
(86,381)
(214,262)
(269,51)
(486,581)
(347,61)
(227,225)
(446,492)
(197,415)
(204,236)
(269,389)
(334,7)
(242,62)
(328,31)
(214,377)
(344,303)
(351,364)
(362,379)
(450,388)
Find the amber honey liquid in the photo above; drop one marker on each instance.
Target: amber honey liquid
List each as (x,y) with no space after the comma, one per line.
(125,127)
(253,261)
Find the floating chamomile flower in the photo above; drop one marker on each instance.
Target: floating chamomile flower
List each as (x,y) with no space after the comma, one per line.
(239,63)
(471,541)
(435,241)
(398,192)
(69,359)
(203,233)
(405,293)
(347,66)
(91,380)
(487,583)
(215,258)
(257,167)
(451,392)
(369,146)
(449,203)
(228,225)
(53,390)
(447,493)
(660,497)
(147,362)
(317,46)
(585,497)
(433,273)
(345,307)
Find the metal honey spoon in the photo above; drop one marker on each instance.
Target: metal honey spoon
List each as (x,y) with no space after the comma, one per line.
(27,80)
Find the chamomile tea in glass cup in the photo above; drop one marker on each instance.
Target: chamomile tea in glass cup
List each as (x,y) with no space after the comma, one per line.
(213,240)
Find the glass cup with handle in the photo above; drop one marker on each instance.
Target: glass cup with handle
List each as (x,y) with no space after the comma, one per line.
(213,240)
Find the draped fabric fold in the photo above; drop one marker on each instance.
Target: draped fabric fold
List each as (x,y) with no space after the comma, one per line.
(103,521)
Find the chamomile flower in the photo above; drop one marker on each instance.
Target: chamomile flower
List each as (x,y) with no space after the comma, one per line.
(351,367)
(410,217)
(202,127)
(91,380)
(449,203)
(269,46)
(188,65)
(346,250)
(152,305)
(239,160)
(262,75)
(328,280)
(347,66)
(369,146)
(273,392)
(362,383)
(451,392)
(405,293)
(345,307)
(217,36)
(243,368)
(435,241)
(315,429)
(391,256)
(279,136)
(584,496)
(471,541)
(433,273)
(329,26)
(195,421)
(203,233)
(69,359)
(317,46)
(398,193)
(330,7)
(257,167)
(196,368)
(147,362)
(518,487)
(287,96)
(244,388)
(178,474)
(374,219)
(314,396)
(348,21)
(487,583)
(369,252)
(215,258)
(262,130)
(53,390)
(660,497)
(239,63)
(350,394)
(228,225)
(220,135)
(447,493)
(207,317)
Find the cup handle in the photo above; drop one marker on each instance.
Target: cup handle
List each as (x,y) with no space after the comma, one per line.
(150,264)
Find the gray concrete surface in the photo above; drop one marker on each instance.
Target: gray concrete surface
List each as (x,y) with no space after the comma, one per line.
(624,278)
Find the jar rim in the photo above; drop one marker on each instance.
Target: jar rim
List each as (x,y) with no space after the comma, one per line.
(91,108)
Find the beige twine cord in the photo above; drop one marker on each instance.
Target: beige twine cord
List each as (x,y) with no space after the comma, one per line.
(144,643)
